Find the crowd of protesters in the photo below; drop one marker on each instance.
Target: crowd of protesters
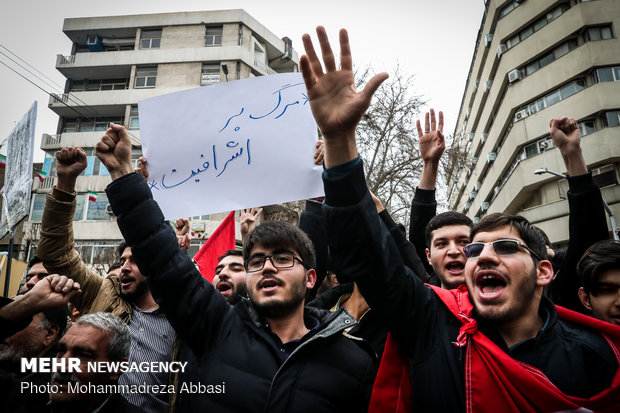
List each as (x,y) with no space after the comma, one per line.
(345,312)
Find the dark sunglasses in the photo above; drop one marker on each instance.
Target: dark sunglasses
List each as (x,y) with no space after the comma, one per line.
(501,247)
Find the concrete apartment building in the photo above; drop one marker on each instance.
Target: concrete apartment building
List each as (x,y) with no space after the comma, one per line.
(116,61)
(536,60)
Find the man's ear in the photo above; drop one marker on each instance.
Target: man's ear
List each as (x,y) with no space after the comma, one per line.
(310,278)
(544,273)
(428,256)
(51,332)
(585,298)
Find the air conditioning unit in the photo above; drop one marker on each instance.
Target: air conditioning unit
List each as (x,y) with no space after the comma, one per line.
(470,136)
(467,112)
(514,75)
(108,210)
(522,114)
(477,186)
(496,191)
(476,85)
(467,205)
(488,38)
(491,157)
(94,43)
(473,160)
(484,137)
(487,85)
(501,49)
(484,206)
(472,195)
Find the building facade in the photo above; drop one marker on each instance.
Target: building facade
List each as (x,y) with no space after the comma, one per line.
(117,61)
(534,61)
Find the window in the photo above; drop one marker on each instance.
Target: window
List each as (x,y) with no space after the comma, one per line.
(97,253)
(100,84)
(598,33)
(509,7)
(151,39)
(96,209)
(36,212)
(611,118)
(146,77)
(548,58)
(210,74)
(69,125)
(537,147)
(554,97)
(586,127)
(607,74)
(213,36)
(134,118)
(79,207)
(537,25)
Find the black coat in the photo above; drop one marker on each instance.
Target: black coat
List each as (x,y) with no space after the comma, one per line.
(326,373)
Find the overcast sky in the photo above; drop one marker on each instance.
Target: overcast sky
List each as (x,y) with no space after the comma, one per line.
(433,40)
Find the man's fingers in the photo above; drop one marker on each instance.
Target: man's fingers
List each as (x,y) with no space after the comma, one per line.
(440,125)
(326,50)
(260,210)
(419,127)
(433,120)
(346,61)
(313,59)
(106,144)
(372,86)
(427,125)
(306,72)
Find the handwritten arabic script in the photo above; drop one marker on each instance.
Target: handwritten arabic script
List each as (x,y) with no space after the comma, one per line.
(227,138)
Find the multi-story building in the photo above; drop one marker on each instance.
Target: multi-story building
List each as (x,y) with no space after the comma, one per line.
(115,62)
(534,61)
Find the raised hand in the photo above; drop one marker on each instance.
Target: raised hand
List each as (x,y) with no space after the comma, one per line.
(70,162)
(181,226)
(114,150)
(565,135)
(432,146)
(141,169)
(336,105)
(247,221)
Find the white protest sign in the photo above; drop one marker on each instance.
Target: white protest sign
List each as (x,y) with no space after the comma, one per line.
(18,175)
(230,146)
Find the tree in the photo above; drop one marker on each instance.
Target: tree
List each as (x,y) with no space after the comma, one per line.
(388,144)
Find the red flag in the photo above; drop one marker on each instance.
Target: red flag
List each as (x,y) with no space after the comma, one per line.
(222,239)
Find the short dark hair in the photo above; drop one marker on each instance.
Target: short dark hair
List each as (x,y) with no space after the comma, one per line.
(599,258)
(234,253)
(444,219)
(114,266)
(530,235)
(278,234)
(34,261)
(121,248)
(58,316)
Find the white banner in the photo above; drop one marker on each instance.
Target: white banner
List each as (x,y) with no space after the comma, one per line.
(231,145)
(18,174)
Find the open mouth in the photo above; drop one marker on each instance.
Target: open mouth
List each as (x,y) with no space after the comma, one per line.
(490,285)
(223,286)
(455,267)
(126,282)
(268,284)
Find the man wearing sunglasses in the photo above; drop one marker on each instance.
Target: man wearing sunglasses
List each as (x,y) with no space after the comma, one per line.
(494,344)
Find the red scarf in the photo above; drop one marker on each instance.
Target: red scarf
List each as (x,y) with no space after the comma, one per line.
(494,381)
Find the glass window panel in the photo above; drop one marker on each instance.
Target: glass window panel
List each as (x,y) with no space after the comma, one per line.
(527,33)
(531,68)
(561,50)
(531,150)
(140,82)
(86,253)
(512,42)
(545,60)
(38,203)
(551,98)
(96,209)
(605,74)
(586,127)
(568,90)
(580,84)
(540,24)
(150,81)
(554,14)
(617,73)
(594,34)
(155,43)
(605,33)
(612,118)
(134,122)
(79,207)
(532,108)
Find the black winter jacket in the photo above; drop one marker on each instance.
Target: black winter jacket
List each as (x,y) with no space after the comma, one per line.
(327,372)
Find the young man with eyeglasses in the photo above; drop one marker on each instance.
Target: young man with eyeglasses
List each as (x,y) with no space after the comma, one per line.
(265,354)
(494,344)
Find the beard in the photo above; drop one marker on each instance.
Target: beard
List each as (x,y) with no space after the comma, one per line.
(283,307)
(141,288)
(27,350)
(239,291)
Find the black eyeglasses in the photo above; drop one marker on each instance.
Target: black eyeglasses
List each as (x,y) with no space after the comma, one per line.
(501,247)
(282,260)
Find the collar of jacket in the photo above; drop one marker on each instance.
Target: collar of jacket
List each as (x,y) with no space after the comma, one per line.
(331,322)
